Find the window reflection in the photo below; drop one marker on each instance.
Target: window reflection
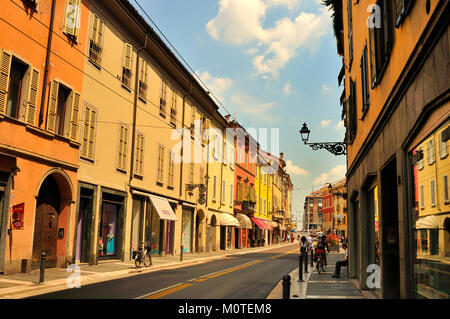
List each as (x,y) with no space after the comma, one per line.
(431,212)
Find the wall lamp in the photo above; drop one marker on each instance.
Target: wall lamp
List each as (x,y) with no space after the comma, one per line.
(336,148)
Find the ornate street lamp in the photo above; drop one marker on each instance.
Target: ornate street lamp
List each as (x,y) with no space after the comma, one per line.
(336,148)
(201,187)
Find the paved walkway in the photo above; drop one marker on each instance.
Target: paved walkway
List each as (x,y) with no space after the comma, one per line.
(320,286)
(26,285)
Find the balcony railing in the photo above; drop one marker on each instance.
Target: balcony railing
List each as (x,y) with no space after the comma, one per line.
(95,52)
(248,206)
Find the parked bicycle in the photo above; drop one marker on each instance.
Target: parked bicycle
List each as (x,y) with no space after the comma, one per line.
(143,256)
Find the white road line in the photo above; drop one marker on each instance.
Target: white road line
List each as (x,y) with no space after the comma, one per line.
(155,292)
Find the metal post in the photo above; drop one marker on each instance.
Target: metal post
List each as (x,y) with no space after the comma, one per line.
(181,253)
(300,267)
(41,274)
(286,287)
(306,261)
(312,257)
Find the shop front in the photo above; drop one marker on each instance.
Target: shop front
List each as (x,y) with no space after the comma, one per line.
(241,233)
(228,224)
(261,227)
(187,229)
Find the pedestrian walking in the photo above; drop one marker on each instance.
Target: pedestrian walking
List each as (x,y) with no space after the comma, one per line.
(303,245)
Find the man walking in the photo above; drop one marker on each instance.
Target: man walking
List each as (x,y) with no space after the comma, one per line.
(339,264)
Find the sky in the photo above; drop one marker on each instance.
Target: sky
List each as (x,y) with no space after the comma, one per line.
(272,64)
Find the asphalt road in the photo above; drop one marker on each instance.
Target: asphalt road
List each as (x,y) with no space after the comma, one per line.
(248,276)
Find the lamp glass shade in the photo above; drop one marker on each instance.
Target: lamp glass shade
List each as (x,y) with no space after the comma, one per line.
(304,132)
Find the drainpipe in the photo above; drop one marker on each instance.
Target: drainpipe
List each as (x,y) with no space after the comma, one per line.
(136,89)
(47,63)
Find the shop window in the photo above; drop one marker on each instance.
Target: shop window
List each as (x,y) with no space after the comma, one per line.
(431,248)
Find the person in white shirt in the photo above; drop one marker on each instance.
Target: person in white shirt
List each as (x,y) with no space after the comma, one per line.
(339,264)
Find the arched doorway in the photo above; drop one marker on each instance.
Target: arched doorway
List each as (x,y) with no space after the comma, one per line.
(46,223)
(50,226)
(199,231)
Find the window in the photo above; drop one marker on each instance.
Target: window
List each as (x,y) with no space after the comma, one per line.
(225,152)
(171,170)
(139,166)
(433,193)
(365,81)
(350,32)
(72,18)
(96,41)
(173,109)
(420,164)
(353,124)
(62,112)
(431,152)
(126,67)
(214,188)
(401,10)
(123,148)
(269,208)
(231,194)
(162,100)
(422,197)
(443,146)
(260,204)
(87,147)
(445,189)
(191,173)
(19,86)
(143,77)
(381,41)
(160,175)
(264,206)
(223,191)
(192,127)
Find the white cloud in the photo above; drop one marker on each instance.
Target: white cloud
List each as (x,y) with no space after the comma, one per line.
(251,106)
(325,88)
(239,22)
(295,170)
(339,126)
(217,85)
(287,88)
(333,175)
(325,123)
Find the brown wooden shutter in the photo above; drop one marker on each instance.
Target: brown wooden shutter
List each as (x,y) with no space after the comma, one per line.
(5,67)
(128,49)
(52,106)
(92,124)
(73,133)
(33,88)
(85,142)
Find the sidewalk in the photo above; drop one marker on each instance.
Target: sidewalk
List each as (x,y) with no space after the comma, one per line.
(26,285)
(320,286)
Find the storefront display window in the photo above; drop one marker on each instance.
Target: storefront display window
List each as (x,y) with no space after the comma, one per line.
(429,212)
(108,229)
(187,230)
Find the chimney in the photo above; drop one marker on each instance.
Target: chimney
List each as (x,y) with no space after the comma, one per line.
(281,156)
(227,117)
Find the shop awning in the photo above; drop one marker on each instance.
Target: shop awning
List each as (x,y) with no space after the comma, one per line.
(282,227)
(429,222)
(228,220)
(163,208)
(274,224)
(244,221)
(261,223)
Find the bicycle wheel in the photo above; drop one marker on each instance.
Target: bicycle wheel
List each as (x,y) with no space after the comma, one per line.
(137,262)
(147,262)
(319,266)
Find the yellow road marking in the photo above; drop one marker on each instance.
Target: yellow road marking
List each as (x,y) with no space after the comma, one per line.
(290,252)
(168,291)
(233,269)
(201,279)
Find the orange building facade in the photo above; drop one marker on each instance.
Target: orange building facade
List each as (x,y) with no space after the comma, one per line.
(41,76)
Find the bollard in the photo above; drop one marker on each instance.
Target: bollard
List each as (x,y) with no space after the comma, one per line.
(306,261)
(181,253)
(286,287)
(312,257)
(300,267)
(41,274)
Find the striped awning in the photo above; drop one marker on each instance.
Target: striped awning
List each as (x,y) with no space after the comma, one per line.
(244,221)
(228,220)
(261,223)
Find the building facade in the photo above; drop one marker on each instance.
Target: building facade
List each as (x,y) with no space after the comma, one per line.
(42,63)
(395,106)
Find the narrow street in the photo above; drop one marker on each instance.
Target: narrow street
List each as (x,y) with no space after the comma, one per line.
(249,276)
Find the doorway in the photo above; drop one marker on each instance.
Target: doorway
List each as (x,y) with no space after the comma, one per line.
(46,223)
(390,259)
